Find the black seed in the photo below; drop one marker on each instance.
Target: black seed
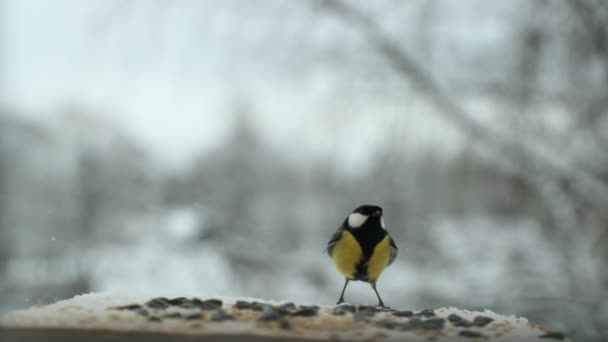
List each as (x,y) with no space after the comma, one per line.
(554,335)
(369,308)
(388,324)
(287,306)
(342,309)
(194,316)
(129,307)
(285,325)
(221,315)
(429,324)
(469,333)
(173,315)
(143,312)
(413,324)
(433,324)
(206,304)
(464,323)
(178,301)
(255,306)
(405,313)
(158,303)
(482,321)
(426,313)
(154,319)
(214,301)
(243,305)
(188,304)
(311,307)
(454,318)
(306,312)
(272,314)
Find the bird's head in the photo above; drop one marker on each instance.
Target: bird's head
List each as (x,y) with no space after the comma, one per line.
(365,214)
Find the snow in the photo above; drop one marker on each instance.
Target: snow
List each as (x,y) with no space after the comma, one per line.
(95,312)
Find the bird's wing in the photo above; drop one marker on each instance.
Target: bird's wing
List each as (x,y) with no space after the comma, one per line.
(333,240)
(394,251)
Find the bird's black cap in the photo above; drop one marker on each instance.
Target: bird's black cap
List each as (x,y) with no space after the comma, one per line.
(368,209)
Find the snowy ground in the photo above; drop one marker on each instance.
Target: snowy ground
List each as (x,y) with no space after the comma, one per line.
(227,318)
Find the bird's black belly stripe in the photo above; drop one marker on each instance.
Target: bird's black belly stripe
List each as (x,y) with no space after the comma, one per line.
(367,237)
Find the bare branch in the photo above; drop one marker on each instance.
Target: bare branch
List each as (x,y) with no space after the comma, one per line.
(533,162)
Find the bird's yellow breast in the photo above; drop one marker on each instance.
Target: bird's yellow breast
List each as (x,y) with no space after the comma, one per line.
(379,259)
(347,254)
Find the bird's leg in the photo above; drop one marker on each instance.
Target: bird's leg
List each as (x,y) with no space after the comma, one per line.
(380,302)
(341,299)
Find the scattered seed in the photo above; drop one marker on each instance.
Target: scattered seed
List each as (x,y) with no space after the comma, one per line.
(434,324)
(388,324)
(426,313)
(429,324)
(405,313)
(454,318)
(154,319)
(178,301)
(369,308)
(255,306)
(243,305)
(215,301)
(173,315)
(413,324)
(470,334)
(188,304)
(287,306)
(158,303)
(129,307)
(465,323)
(342,309)
(207,305)
(482,321)
(194,316)
(306,311)
(272,314)
(313,307)
(554,335)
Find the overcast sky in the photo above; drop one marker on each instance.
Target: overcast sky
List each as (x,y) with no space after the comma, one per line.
(170,72)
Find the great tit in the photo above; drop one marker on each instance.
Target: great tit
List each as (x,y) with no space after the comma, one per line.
(361,248)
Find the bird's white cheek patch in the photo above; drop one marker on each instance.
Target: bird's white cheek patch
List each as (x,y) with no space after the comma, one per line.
(382,223)
(356,220)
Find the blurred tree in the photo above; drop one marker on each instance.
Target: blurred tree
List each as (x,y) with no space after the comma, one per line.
(5,238)
(571,194)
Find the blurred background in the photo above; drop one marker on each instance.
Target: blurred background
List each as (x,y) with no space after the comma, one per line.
(212,148)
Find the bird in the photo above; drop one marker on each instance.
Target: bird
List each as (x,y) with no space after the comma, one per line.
(361,248)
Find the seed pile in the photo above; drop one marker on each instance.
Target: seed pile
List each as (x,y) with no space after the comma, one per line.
(159,305)
(425,321)
(245,317)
